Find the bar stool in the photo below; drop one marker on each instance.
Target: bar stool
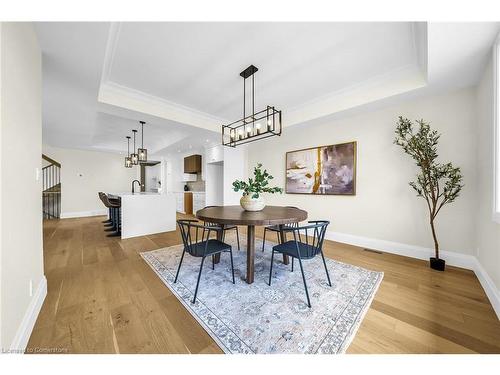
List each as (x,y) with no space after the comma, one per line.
(108,221)
(114,206)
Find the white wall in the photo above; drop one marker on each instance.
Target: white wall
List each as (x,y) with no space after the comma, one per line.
(385,207)
(235,168)
(214,184)
(84,174)
(21,262)
(488,232)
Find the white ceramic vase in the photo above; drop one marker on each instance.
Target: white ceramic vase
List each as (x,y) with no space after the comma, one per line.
(252,204)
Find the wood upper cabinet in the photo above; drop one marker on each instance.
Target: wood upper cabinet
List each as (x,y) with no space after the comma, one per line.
(192,164)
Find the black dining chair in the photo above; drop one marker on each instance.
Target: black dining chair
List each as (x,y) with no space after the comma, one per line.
(276,228)
(306,244)
(224,228)
(200,246)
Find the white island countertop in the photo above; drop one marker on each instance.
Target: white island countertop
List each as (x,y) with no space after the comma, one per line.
(144,213)
(139,193)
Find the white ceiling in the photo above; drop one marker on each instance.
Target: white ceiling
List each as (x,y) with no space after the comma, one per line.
(198,64)
(183,78)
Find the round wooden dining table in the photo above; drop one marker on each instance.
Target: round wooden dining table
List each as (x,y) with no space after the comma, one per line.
(235,215)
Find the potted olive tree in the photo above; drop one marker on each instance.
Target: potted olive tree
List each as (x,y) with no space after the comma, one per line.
(439,184)
(252,199)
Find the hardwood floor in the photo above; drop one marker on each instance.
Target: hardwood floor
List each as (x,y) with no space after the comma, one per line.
(103,298)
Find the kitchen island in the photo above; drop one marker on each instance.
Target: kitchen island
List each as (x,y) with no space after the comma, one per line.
(146,213)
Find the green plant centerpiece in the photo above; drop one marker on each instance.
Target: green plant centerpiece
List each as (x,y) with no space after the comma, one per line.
(252,199)
(439,184)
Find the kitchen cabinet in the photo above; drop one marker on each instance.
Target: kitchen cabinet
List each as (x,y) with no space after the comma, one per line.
(187,177)
(192,164)
(179,202)
(188,203)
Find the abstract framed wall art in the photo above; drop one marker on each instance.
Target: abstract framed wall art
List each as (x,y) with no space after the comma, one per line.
(324,170)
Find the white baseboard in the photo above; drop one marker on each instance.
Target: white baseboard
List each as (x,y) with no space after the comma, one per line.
(23,333)
(69,215)
(412,251)
(452,258)
(488,285)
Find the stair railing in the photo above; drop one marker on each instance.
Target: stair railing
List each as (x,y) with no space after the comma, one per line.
(51,189)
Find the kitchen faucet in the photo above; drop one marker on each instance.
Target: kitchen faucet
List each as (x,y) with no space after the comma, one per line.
(133,185)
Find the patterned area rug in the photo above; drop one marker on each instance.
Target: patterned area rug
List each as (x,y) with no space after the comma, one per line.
(259,318)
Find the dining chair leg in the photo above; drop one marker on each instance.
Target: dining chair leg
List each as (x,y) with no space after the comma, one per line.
(305,284)
(292,263)
(278,237)
(198,282)
(213,263)
(238,238)
(264,239)
(271,269)
(232,265)
(179,268)
(326,269)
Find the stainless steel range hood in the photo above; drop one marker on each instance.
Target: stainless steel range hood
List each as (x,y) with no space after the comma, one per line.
(149,163)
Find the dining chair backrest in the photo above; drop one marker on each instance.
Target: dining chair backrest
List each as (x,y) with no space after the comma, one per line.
(192,233)
(312,235)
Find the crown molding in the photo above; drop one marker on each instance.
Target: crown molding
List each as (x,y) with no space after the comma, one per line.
(135,100)
(125,97)
(109,53)
(396,82)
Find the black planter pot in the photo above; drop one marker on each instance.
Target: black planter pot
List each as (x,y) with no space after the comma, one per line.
(437,264)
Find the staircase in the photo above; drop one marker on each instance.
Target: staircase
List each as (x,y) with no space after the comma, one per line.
(51,190)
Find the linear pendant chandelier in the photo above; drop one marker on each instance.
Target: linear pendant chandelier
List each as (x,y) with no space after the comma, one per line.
(128,160)
(257,125)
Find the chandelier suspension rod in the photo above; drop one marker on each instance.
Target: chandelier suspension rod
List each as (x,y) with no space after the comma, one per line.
(253,100)
(142,134)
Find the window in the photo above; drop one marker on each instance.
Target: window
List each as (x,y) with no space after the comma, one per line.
(496,132)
